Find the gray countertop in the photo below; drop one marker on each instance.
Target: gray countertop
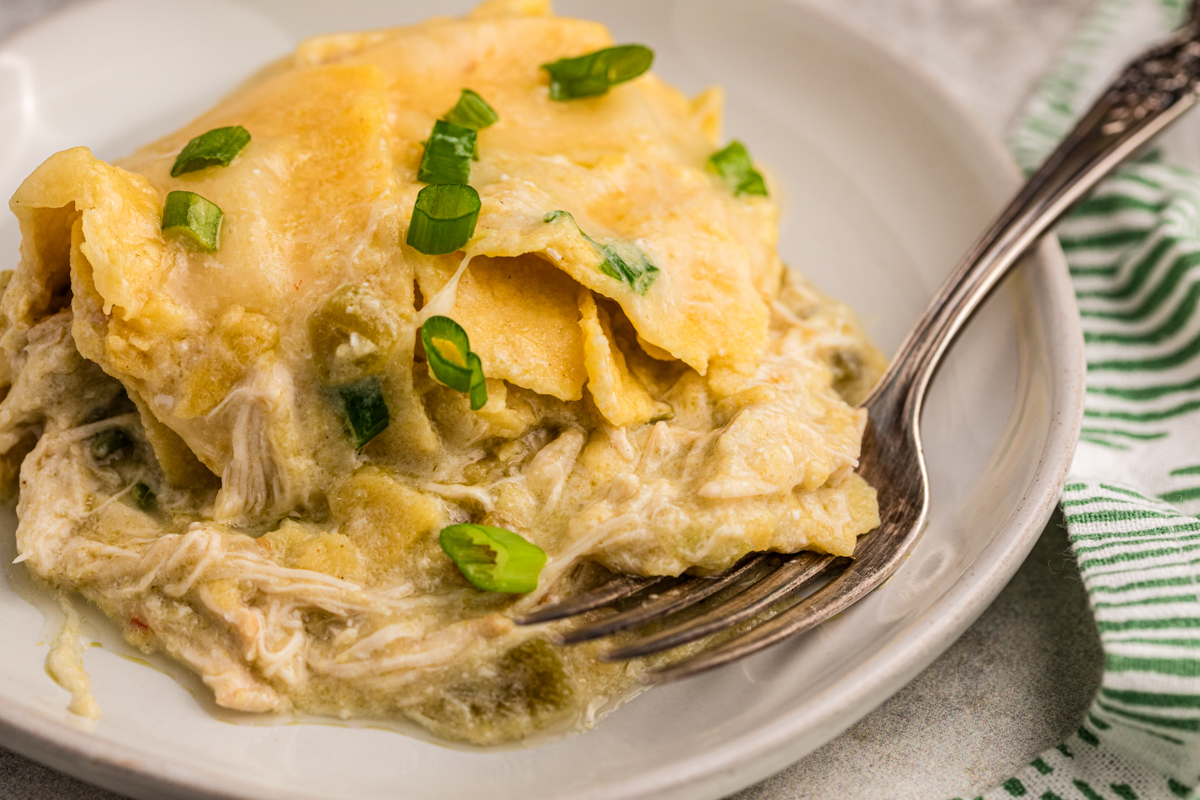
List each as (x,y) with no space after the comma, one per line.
(1019,680)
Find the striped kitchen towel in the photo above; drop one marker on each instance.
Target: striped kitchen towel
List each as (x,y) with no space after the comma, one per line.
(1132,502)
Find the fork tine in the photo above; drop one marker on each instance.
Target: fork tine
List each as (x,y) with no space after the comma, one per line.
(876,559)
(618,588)
(794,573)
(803,616)
(678,597)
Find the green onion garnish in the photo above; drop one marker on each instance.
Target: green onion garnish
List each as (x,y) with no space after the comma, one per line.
(366,410)
(551,216)
(493,559)
(624,261)
(464,373)
(218,147)
(448,154)
(143,496)
(193,216)
(735,168)
(472,111)
(595,73)
(478,393)
(455,373)
(109,441)
(443,219)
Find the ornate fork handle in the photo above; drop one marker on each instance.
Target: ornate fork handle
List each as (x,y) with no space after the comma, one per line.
(1153,83)
(1148,96)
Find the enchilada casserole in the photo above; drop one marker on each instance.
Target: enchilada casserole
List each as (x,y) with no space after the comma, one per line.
(417,330)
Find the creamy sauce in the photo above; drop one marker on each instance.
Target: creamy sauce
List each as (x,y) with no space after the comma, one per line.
(182,449)
(64,663)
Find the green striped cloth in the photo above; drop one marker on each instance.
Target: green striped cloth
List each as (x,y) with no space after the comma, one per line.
(1132,502)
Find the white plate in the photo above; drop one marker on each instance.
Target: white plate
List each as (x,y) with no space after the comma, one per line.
(886,181)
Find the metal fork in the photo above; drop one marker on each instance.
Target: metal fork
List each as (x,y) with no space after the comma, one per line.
(1149,95)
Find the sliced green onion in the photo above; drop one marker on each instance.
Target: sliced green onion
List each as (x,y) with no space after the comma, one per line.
(193,216)
(109,441)
(143,496)
(366,410)
(455,373)
(493,559)
(448,154)
(443,219)
(478,393)
(595,73)
(472,111)
(462,373)
(560,214)
(552,216)
(218,147)
(624,261)
(734,166)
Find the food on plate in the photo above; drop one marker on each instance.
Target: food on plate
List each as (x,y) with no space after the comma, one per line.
(417,330)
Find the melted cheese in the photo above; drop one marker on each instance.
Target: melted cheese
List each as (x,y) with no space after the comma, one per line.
(655,429)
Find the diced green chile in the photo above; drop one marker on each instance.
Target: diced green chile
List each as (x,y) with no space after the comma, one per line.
(195,217)
(529,683)
(352,334)
(109,441)
(472,111)
(734,166)
(846,366)
(448,153)
(218,147)
(595,73)
(535,678)
(624,261)
(463,373)
(443,219)
(366,410)
(143,496)
(493,559)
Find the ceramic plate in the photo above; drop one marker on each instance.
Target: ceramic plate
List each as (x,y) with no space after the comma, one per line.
(886,184)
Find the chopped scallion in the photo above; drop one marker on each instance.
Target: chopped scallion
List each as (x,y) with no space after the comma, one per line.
(478,393)
(595,73)
(195,217)
(448,154)
(472,111)
(366,410)
(493,559)
(624,261)
(455,371)
(451,361)
(552,216)
(109,441)
(218,147)
(734,166)
(443,218)
(143,496)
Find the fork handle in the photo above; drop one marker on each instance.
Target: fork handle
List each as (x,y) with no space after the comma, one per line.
(1149,95)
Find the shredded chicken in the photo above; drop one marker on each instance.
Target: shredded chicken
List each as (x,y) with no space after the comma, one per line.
(245,457)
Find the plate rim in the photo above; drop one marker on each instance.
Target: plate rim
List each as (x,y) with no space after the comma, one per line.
(744,760)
